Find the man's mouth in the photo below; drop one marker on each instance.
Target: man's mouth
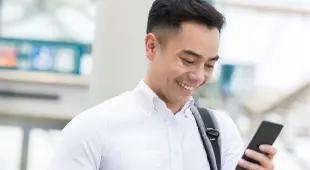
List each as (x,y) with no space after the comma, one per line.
(185,86)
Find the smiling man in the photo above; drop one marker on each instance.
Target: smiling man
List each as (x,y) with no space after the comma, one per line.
(152,127)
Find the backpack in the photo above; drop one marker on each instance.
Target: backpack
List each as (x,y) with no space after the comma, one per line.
(209,133)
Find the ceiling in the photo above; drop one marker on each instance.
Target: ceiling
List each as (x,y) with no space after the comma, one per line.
(69,20)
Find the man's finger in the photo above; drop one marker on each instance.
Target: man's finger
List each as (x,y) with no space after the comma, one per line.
(259,157)
(248,165)
(269,150)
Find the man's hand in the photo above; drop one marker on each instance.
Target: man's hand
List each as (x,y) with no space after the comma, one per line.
(264,160)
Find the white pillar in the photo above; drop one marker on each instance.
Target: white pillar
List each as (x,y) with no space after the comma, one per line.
(119,61)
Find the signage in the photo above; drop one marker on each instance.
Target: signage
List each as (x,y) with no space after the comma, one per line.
(8,56)
(46,56)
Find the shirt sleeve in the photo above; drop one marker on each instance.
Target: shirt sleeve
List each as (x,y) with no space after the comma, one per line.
(81,145)
(232,144)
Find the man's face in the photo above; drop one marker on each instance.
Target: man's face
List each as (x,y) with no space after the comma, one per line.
(184,64)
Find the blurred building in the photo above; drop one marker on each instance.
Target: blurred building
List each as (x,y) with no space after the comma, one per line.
(51,70)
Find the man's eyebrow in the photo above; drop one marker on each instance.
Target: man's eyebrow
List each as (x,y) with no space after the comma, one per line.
(195,54)
(214,58)
(192,53)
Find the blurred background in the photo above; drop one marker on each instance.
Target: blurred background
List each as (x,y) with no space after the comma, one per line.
(60,57)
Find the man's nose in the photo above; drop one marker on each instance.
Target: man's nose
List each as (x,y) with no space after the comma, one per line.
(197,75)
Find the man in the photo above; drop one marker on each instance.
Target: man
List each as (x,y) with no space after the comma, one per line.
(152,126)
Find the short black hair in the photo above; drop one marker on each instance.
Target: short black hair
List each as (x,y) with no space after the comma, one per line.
(170,14)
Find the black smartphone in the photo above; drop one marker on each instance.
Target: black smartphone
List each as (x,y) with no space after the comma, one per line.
(267,133)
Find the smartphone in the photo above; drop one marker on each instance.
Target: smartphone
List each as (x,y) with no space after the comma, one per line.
(267,133)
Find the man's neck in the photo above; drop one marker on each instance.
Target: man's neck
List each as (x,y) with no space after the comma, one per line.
(174,107)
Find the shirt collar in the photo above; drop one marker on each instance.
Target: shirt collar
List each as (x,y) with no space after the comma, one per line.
(151,101)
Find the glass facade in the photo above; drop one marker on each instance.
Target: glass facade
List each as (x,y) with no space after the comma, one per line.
(59,20)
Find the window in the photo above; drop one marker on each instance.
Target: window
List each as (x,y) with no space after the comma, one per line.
(41,147)
(67,20)
(10,147)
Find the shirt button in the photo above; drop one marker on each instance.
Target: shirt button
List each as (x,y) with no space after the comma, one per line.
(168,122)
(176,153)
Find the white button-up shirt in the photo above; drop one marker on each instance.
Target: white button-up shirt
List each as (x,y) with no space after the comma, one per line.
(136,131)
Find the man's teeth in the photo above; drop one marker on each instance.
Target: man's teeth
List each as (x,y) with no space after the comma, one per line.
(186,87)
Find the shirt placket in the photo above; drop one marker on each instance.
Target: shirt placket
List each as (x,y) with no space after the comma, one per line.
(175,144)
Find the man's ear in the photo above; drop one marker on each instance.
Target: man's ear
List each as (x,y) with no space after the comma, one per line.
(151,46)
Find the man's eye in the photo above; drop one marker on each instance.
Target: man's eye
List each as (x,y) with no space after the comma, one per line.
(187,61)
(210,66)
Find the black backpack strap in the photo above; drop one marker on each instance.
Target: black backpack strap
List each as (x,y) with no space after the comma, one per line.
(205,139)
(212,133)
